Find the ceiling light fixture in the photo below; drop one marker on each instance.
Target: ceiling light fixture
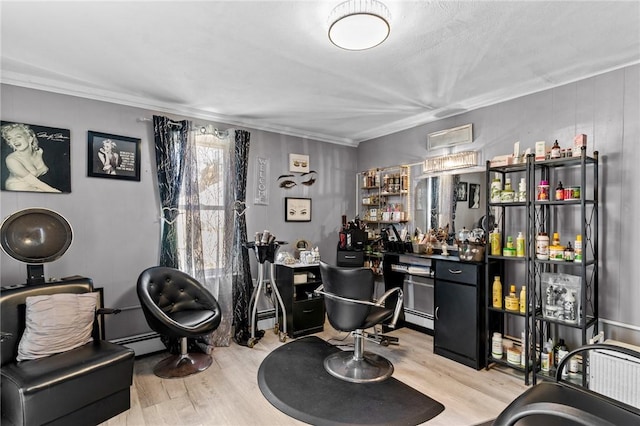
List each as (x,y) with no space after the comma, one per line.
(359,24)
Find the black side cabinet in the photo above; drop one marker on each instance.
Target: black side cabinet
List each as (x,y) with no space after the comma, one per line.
(459,319)
(305,311)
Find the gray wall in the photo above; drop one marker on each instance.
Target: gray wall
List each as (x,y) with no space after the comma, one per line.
(115,222)
(607,109)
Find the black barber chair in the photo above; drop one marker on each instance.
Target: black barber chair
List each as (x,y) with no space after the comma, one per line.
(177,305)
(348,295)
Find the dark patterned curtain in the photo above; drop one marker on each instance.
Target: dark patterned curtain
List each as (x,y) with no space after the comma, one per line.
(170,139)
(242,283)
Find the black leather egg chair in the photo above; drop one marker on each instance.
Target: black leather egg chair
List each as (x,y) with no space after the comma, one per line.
(177,305)
(350,305)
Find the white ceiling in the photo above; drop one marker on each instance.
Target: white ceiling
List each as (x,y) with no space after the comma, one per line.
(269,64)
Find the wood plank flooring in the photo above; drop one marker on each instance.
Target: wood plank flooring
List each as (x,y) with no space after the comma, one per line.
(227,393)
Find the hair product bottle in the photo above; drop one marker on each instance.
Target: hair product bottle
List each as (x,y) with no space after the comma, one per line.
(497,292)
(520,245)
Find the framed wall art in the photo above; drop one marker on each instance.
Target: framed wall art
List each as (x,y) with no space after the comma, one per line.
(297,209)
(474,196)
(461,191)
(298,163)
(113,157)
(42,152)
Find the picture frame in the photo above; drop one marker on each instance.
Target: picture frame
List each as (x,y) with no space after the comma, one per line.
(50,159)
(461,191)
(474,195)
(298,163)
(113,157)
(297,209)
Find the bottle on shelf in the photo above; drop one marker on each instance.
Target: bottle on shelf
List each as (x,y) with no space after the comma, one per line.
(495,239)
(496,345)
(509,250)
(522,190)
(543,190)
(559,192)
(523,299)
(520,245)
(556,251)
(555,150)
(569,253)
(546,356)
(577,249)
(560,346)
(508,194)
(496,189)
(511,301)
(542,246)
(497,292)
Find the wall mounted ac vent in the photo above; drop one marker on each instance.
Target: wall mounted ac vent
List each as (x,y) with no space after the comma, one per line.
(450,137)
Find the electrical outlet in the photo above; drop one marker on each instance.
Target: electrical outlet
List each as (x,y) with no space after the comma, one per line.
(267,288)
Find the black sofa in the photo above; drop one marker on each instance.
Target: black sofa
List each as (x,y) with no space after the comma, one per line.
(83,386)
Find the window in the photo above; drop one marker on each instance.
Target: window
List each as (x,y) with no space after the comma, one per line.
(211,163)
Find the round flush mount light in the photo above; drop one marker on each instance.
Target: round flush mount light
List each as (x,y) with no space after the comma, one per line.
(359,24)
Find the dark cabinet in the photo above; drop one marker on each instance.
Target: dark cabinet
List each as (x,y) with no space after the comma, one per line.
(305,311)
(459,318)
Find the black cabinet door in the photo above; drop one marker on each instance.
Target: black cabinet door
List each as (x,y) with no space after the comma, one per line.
(455,324)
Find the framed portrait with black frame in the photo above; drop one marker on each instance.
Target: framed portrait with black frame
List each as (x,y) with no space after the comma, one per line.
(113,157)
(297,209)
(35,158)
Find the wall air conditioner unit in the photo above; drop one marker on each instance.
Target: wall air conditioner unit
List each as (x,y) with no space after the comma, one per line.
(450,137)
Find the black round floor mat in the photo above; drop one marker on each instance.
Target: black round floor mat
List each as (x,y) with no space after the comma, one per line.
(294,380)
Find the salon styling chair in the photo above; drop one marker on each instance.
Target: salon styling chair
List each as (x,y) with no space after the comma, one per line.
(177,305)
(350,305)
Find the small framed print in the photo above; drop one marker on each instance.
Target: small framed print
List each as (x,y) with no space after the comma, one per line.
(113,157)
(297,209)
(474,196)
(461,191)
(298,163)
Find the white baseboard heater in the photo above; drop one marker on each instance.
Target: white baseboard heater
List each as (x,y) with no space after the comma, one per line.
(615,375)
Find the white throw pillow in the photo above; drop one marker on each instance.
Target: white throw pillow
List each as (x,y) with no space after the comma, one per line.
(57,323)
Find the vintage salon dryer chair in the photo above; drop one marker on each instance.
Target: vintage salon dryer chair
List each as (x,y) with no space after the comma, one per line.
(177,305)
(350,306)
(87,384)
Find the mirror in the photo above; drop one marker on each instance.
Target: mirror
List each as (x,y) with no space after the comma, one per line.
(454,199)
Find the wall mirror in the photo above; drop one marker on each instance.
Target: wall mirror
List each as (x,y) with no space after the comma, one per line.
(454,199)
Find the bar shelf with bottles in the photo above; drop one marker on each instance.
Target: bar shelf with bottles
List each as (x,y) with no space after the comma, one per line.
(508,257)
(564,277)
(384,197)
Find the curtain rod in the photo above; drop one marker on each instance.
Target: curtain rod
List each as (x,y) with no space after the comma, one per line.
(202,127)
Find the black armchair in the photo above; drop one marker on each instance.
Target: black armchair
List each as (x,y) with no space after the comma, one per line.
(348,295)
(177,305)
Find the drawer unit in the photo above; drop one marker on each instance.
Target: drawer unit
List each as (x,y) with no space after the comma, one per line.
(350,258)
(459,272)
(305,311)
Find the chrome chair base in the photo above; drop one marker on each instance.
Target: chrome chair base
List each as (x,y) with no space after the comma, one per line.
(369,368)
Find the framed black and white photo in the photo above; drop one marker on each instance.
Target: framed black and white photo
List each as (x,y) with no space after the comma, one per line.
(113,157)
(474,196)
(35,158)
(461,191)
(297,209)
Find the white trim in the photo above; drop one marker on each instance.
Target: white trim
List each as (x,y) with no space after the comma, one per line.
(620,324)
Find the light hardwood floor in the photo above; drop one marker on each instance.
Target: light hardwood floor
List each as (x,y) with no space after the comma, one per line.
(227,393)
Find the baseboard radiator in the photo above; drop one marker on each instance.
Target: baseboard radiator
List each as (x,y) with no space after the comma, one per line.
(615,375)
